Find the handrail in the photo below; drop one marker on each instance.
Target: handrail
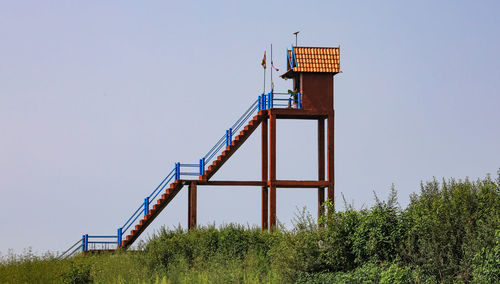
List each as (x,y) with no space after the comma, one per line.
(138,209)
(264,102)
(62,255)
(220,143)
(171,172)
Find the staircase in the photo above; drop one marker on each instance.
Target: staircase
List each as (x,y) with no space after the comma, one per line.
(162,202)
(255,114)
(177,185)
(235,144)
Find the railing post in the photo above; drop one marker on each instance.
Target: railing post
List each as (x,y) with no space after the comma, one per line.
(119,237)
(300,100)
(202,166)
(271,99)
(146,206)
(83,243)
(177,171)
(229,136)
(260,103)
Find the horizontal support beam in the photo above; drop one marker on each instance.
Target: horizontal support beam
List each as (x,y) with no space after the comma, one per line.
(300,183)
(278,183)
(232,183)
(298,114)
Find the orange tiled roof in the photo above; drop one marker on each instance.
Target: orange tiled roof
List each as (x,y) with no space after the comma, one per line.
(315,59)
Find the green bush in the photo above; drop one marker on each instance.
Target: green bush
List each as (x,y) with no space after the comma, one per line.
(450,232)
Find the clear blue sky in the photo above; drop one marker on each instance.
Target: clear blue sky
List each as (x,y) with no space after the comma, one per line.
(98,99)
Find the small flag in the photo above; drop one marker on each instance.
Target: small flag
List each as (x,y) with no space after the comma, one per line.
(263,63)
(274,67)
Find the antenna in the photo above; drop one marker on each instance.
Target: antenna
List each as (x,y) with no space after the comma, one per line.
(296,33)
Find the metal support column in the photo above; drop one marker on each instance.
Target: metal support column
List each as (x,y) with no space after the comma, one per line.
(265,193)
(192,205)
(321,165)
(272,172)
(331,172)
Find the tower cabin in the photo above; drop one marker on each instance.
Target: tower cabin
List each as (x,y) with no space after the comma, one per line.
(312,70)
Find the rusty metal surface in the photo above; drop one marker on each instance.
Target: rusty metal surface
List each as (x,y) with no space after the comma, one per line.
(265,190)
(232,182)
(192,206)
(272,171)
(331,154)
(236,143)
(317,92)
(321,164)
(298,183)
(170,193)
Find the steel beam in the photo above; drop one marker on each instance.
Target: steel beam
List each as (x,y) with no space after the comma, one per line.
(232,182)
(321,165)
(265,193)
(192,205)
(272,170)
(331,173)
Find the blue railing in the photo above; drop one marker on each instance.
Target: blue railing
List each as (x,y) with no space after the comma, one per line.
(227,138)
(280,100)
(264,101)
(76,247)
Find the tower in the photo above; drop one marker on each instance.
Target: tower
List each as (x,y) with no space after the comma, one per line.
(312,70)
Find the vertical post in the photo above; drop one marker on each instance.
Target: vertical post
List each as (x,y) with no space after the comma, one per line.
(192,205)
(321,165)
(265,193)
(202,166)
(300,101)
(331,175)
(272,172)
(146,206)
(119,237)
(271,100)
(83,243)
(260,103)
(177,171)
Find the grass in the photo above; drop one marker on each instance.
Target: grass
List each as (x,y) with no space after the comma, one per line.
(450,232)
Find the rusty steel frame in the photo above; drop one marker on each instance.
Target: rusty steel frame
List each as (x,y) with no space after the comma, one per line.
(269,183)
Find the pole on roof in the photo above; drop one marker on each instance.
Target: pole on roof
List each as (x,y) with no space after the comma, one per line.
(272,84)
(296,33)
(264,91)
(263,63)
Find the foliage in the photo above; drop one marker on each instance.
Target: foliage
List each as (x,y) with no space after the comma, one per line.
(450,232)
